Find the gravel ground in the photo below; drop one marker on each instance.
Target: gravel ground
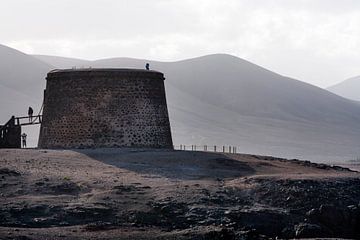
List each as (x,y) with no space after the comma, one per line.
(162,194)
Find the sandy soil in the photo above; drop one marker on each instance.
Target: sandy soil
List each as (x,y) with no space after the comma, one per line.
(161,194)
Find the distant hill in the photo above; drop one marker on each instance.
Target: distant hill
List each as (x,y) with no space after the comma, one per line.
(349,88)
(224,100)
(21,82)
(21,85)
(63,62)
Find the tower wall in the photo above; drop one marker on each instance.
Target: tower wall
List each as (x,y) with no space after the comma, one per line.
(89,108)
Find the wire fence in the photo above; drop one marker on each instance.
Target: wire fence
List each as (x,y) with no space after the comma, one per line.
(206,148)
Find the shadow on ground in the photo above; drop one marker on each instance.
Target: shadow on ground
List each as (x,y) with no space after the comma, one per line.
(172,164)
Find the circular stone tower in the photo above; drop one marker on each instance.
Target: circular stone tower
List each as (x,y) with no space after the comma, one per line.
(86,108)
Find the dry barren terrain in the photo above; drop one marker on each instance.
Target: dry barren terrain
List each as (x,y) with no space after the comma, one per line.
(162,194)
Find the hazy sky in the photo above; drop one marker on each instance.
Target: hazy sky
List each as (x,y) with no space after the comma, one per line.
(316,41)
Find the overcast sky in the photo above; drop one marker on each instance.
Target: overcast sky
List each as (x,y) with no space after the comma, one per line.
(317,41)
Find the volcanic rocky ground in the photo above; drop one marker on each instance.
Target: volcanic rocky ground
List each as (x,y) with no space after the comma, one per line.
(163,194)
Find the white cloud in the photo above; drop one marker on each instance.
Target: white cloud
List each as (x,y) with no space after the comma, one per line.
(314,40)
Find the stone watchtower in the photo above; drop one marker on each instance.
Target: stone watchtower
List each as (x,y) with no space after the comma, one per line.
(85,108)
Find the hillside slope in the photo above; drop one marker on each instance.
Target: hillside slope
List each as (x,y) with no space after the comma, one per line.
(21,82)
(224,100)
(63,62)
(349,88)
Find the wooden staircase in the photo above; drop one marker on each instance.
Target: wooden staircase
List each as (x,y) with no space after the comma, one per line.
(10,133)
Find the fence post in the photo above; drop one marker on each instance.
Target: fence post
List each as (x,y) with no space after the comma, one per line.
(232,149)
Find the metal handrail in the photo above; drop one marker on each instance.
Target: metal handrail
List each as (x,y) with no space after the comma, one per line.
(38,116)
(29,123)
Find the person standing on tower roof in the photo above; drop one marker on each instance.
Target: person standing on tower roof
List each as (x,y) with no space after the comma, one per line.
(147,66)
(30,113)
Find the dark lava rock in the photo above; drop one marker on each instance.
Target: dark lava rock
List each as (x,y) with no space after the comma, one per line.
(307,230)
(220,235)
(302,195)
(340,221)
(67,187)
(229,233)
(18,238)
(99,226)
(9,172)
(44,215)
(151,218)
(88,212)
(56,187)
(265,221)
(125,189)
(37,215)
(168,214)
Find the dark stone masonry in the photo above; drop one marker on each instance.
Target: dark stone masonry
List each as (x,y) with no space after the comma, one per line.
(85,108)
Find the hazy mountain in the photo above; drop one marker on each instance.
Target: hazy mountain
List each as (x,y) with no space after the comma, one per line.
(223,100)
(349,88)
(21,72)
(21,82)
(63,62)
(220,99)
(21,85)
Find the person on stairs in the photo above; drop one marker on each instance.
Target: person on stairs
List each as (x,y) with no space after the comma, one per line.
(30,113)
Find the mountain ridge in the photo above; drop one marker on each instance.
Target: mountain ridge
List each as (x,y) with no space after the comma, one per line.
(224,100)
(348,88)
